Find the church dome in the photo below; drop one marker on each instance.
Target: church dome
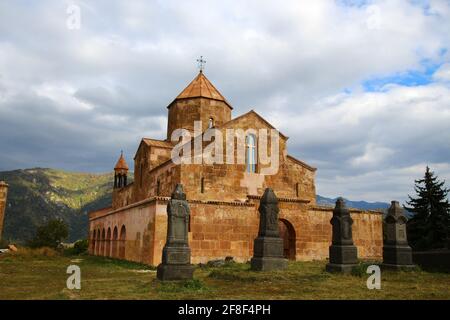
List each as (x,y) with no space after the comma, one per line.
(201,87)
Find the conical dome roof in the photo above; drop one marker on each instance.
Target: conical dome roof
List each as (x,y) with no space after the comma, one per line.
(121,163)
(201,87)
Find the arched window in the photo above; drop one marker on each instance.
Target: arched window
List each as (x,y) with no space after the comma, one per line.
(114,253)
(122,242)
(158,187)
(108,243)
(250,144)
(94,234)
(210,123)
(202,185)
(98,243)
(102,247)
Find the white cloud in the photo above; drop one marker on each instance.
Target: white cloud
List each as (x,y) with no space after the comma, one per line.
(88,93)
(443,73)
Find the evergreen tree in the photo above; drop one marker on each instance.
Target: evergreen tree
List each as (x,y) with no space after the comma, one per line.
(429,227)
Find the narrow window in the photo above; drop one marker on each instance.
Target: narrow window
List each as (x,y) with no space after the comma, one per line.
(202,185)
(297,189)
(251,153)
(158,187)
(210,123)
(142,174)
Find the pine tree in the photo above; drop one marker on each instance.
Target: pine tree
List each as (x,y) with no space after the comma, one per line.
(430,225)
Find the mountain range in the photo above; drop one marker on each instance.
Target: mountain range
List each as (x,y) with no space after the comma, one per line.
(38,195)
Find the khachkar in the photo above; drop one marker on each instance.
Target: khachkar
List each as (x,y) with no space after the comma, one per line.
(176,257)
(3,195)
(397,254)
(343,254)
(268,246)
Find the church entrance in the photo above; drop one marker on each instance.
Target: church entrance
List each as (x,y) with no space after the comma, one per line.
(287,233)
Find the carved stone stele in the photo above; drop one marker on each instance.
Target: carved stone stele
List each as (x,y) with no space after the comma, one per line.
(176,257)
(397,254)
(343,254)
(268,246)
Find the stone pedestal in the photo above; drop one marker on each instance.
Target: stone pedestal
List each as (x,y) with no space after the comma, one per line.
(175,272)
(344,258)
(268,246)
(397,254)
(176,257)
(343,254)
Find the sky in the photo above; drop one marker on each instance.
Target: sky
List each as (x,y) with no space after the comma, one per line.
(362,88)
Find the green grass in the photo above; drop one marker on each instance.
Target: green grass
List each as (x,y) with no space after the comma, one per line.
(42,275)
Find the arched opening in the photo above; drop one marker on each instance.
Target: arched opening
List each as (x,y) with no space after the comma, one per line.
(114,243)
(97,243)
(94,234)
(123,235)
(102,246)
(211,123)
(108,243)
(250,153)
(287,233)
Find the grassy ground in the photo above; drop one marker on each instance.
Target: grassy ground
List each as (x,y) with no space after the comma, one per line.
(42,275)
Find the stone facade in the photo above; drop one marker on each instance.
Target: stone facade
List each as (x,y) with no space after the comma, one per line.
(224,210)
(3,198)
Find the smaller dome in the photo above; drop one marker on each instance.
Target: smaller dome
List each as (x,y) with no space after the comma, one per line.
(121,163)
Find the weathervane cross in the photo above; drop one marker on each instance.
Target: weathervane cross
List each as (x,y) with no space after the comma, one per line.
(201,63)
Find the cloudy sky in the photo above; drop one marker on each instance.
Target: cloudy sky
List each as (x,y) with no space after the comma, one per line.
(362,88)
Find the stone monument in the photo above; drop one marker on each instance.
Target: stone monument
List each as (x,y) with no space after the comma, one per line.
(343,254)
(268,246)
(397,254)
(3,197)
(176,257)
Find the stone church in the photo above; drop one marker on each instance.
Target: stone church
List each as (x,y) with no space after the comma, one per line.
(224,210)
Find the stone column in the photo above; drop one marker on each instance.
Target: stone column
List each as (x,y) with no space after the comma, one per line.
(268,246)
(343,254)
(397,254)
(3,203)
(176,257)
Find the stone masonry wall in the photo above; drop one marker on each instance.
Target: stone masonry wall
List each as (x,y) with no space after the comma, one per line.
(228,182)
(183,113)
(3,202)
(139,223)
(221,229)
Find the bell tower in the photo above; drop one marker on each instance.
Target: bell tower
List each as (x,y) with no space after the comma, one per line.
(120,173)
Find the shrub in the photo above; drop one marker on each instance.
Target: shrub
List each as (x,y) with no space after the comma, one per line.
(81,246)
(50,235)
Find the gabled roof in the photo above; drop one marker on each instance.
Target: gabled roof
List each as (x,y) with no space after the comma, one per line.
(121,163)
(303,164)
(258,116)
(157,143)
(201,87)
(154,143)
